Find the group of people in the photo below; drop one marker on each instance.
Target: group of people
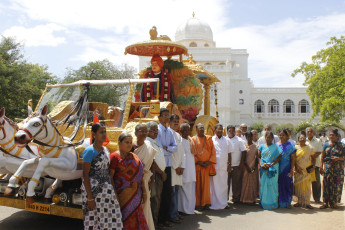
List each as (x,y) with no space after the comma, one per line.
(165,173)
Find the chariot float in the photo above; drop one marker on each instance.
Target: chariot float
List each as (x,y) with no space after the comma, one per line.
(41,158)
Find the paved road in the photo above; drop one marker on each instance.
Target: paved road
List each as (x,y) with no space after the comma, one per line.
(238,217)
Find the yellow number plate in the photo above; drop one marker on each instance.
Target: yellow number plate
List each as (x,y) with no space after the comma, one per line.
(36,207)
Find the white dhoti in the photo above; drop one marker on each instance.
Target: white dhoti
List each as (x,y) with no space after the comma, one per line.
(147,205)
(178,160)
(219,190)
(186,198)
(219,182)
(146,154)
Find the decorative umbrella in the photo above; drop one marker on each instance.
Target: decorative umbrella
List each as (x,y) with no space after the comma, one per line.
(160,47)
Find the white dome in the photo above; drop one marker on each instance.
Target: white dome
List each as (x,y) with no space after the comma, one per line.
(194,28)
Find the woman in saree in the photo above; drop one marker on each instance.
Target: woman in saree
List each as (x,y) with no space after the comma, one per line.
(127,172)
(270,155)
(302,184)
(250,182)
(332,169)
(146,153)
(98,195)
(286,169)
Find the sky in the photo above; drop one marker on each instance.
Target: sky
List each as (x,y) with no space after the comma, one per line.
(278,34)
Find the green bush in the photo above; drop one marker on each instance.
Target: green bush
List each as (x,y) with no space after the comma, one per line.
(259,126)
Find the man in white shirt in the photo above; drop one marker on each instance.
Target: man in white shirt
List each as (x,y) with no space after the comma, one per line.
(255,136)
(186,194)
(237,164)
(262,140)
(178,161)
(324,138)
(316,144)
(219,182)
(244,128)
(290,139)
(157,168)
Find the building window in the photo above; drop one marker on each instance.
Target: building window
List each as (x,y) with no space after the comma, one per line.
(241,91)
(241,101)
(222,63)
(303,106)
(289,106)
(259,107)
(207,63)
(193,44)
(206,45)
(273,106)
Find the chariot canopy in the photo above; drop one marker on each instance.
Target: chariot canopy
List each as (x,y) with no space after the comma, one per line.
(160,47)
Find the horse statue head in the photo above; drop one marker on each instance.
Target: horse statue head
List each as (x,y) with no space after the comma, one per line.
(7,128)
(12,156)
(34,127)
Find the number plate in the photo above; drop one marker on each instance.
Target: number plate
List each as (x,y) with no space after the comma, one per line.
(36,207)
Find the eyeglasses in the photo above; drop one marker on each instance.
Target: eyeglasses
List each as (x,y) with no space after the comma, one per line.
(165,115)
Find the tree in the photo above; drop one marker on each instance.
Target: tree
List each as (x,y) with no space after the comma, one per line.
(279,128)
(103,70)
(257,126)
(20,80)
(325,78)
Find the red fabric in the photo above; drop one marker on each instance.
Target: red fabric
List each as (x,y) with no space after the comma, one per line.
(114,160)
(158,59)
(129,172)
(96,120)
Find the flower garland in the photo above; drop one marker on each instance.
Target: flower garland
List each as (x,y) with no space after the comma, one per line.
(165,87)
(216,100)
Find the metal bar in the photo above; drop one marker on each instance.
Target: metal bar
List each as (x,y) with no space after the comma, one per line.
(106,82)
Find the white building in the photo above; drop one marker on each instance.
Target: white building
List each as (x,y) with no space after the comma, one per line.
(238,100)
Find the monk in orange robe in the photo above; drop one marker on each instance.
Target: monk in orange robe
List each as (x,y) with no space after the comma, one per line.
(205,159)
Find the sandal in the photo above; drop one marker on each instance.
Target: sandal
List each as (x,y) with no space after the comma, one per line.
(176,221)
(168,224)
(289,207)
(324,206)
(297,205)
(160,226)
(309,206)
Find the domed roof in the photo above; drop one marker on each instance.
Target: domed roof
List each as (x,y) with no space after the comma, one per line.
(194,28)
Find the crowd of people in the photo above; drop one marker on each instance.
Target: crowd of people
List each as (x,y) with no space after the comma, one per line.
(167,174)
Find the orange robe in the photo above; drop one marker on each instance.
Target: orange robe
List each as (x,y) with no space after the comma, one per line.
(203,152)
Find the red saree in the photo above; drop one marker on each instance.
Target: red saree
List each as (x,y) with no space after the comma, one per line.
(128,177)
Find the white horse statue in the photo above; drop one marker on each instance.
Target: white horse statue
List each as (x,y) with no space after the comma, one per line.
(59,160)
(12,156)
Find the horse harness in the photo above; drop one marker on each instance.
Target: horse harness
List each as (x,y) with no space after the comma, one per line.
(3,130)
(8,151)
(44,151)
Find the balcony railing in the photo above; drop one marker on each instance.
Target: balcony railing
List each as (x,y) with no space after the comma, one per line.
(281,115)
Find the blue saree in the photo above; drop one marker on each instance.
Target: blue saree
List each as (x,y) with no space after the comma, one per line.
(269,177)
(285,183)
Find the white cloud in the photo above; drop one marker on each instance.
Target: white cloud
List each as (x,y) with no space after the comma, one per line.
(133,17)
(92,54)
(42,35)
(277,49)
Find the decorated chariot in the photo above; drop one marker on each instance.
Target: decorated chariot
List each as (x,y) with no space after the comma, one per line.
(41,157)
